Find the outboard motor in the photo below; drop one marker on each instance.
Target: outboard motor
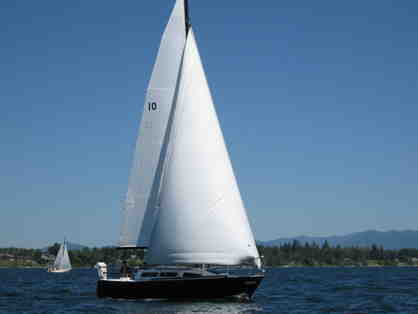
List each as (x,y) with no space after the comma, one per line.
(101,270)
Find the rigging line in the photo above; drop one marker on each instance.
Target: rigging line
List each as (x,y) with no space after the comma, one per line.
(172,129)
(166,151)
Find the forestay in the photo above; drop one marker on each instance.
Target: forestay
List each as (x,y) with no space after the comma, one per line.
(140,210)
(201,219)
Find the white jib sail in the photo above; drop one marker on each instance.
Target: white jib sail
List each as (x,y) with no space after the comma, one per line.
(139,211)
(62,260)
(201,219)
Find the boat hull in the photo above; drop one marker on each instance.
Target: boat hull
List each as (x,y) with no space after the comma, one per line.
(58,271)
(210,287)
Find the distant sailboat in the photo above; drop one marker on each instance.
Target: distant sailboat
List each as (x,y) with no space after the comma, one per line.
(62,262)
(183,203)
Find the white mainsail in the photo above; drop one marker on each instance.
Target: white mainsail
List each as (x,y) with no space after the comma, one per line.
(201,218)
(140,210)
(62,260)
(183,202)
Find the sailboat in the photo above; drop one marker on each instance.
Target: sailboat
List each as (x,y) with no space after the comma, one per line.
(62,262)
(183,205)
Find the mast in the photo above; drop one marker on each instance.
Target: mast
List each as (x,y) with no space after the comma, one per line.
(187,16)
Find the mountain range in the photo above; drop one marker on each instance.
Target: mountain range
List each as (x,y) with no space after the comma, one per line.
(393,240)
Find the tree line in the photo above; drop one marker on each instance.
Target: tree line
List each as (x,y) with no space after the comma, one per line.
(86,257)
(311,254)
(288,254)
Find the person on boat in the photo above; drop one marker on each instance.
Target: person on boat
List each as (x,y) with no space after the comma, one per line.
(125,270)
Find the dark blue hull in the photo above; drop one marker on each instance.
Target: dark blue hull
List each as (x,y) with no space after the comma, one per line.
(208,287)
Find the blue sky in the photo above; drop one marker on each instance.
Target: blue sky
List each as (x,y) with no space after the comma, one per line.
(317,101)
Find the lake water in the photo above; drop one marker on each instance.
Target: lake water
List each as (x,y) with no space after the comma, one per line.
(284,290)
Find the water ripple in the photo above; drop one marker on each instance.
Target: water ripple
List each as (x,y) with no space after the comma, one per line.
(285,290)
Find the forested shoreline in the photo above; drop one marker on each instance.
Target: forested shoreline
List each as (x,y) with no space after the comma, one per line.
(312,254)
(293,254)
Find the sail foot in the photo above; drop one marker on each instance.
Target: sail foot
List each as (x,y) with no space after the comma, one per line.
(212,258)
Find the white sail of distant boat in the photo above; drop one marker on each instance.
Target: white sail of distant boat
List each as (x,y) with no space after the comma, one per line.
(62,260)
(183,203)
